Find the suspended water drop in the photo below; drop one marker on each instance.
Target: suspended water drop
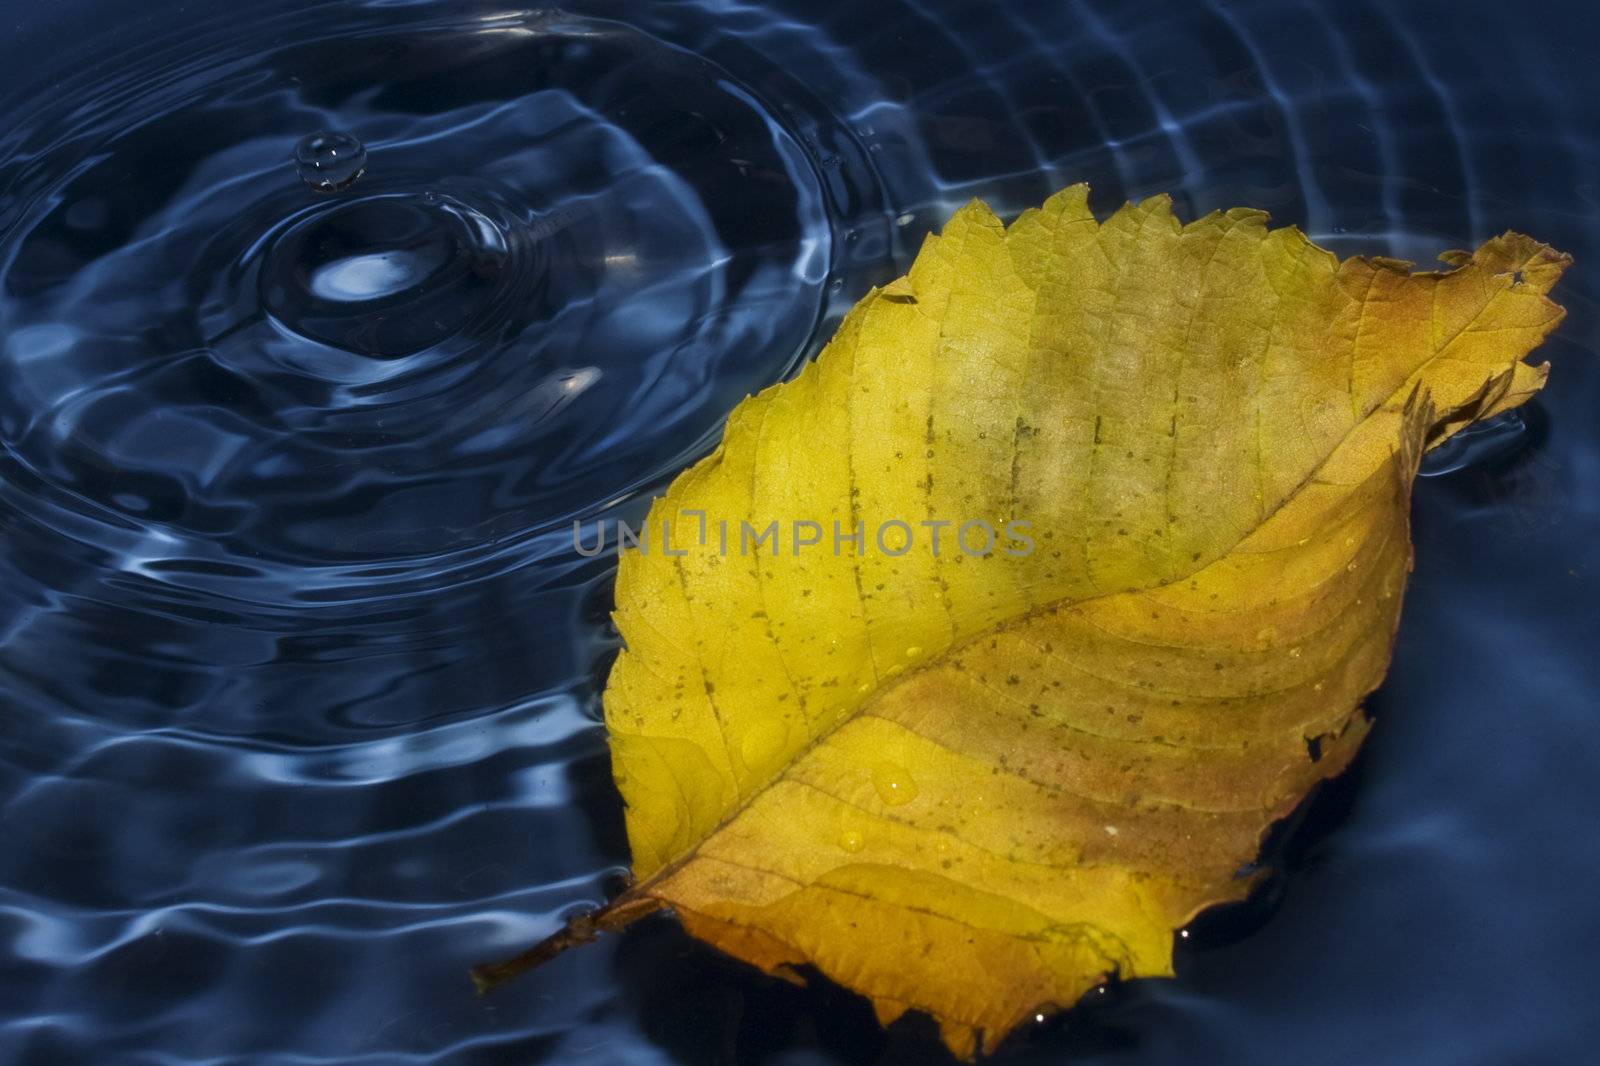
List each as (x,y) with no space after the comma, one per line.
(329,162)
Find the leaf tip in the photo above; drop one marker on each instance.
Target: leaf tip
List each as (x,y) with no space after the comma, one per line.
(1157,207)
(963,1040)
(1529,262)
(1072,202)
(974,212)
(581,929)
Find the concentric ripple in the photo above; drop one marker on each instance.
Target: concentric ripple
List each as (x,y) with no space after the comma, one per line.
(543,284)
(320,322)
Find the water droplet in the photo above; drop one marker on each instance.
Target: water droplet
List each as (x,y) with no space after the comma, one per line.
(894,784)
(329,162)
(912,652)
(762,744)
(852,841)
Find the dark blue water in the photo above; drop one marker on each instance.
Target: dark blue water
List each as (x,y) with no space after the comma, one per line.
(299,673)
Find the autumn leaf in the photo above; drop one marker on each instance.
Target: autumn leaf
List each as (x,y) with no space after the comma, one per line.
(974,784)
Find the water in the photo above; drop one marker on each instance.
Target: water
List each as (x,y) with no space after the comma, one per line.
(301,674)
(329,161)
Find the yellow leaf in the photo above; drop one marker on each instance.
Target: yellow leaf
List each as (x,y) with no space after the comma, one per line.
(974,784)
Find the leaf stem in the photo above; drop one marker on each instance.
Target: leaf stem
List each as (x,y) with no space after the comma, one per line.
(580,929)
